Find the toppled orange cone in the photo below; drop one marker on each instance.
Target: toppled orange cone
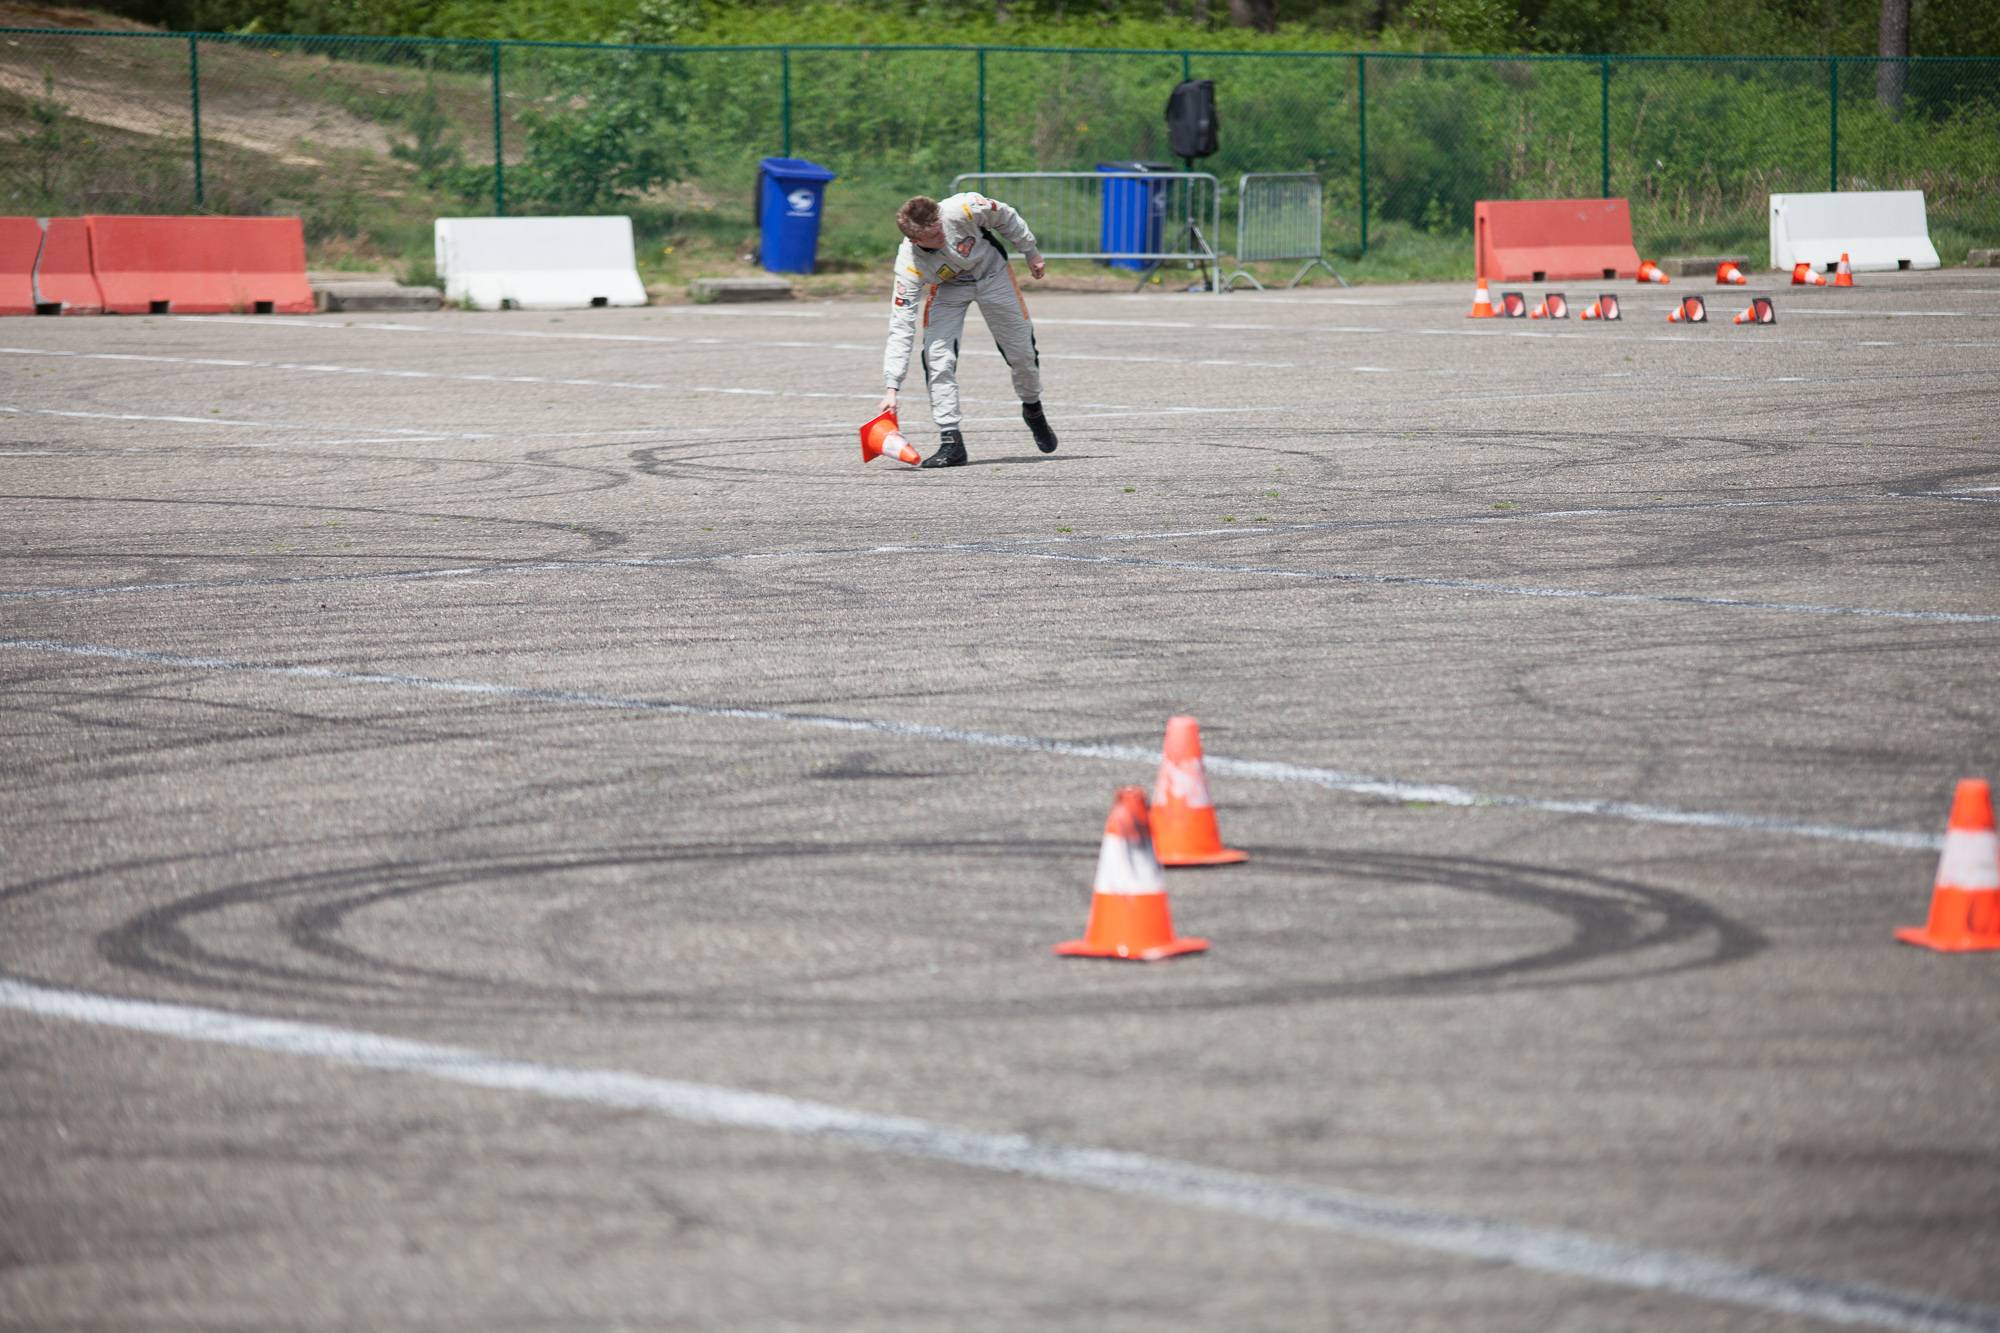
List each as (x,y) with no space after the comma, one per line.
(881,436)
(1482,303)
(1965,899)
(1128,904)
(1759,311)
(1843,273)
(1805,275)
(1691,310)
(1728,275)
(1183,816)
(1651,272)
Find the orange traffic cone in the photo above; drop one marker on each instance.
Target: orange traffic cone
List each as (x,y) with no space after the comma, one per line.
(1128,904)
(1843,276)
(1184,828)
(880,436)
(1965,902)
(1651,272)
(1728,275)
(1541,311)
(1759,311)
(1482,304)
(1692,310)
(1804,275)
(1590,312)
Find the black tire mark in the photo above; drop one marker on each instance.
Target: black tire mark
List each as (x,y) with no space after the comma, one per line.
(1647,931)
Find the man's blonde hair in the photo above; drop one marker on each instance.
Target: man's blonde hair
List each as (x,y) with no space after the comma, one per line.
(917,214)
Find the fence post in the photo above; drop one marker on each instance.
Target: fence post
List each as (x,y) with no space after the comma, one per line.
(1361,99)
(499,143)
(194,105)
(1604,112)
(1187,72)
(1832,124)
(785,94)
(982,110)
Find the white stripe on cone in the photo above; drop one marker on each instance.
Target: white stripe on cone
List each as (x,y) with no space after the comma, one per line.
(1128,866)
(1971,860)
(1187,781)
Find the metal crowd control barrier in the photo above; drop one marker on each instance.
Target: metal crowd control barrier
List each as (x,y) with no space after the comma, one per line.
(1138,219)
(1278,217)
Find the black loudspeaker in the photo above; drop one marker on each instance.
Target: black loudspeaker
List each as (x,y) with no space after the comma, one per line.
(1191,122)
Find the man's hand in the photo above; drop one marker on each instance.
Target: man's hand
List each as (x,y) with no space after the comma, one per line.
(1036,267)
(888,403)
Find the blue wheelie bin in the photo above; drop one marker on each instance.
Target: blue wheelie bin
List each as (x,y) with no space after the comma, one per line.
(1135,213)
(790,191)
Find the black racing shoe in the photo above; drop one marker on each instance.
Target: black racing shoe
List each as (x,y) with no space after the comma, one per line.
(951,449)
(1045,438)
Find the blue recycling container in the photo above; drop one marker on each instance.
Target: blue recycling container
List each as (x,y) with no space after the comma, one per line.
(1135,213)
(790,191)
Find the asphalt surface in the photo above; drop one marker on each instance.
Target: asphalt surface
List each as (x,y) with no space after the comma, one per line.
(548,731)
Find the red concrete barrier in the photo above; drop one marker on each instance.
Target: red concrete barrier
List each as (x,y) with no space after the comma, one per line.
(20,245)
(200,266)
(64,278)
(1552,240)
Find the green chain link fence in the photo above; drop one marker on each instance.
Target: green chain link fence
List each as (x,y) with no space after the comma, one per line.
(368,139)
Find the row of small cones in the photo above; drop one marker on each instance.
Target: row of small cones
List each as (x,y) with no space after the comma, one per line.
(1691,309)
(1130,918)
(1727,274)
(1694,310)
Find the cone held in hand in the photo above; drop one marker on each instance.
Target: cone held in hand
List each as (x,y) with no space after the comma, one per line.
(1128,903)
(1965,898)
(1184,829)
(881,436)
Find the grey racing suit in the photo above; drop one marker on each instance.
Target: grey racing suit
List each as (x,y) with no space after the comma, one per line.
(943,283)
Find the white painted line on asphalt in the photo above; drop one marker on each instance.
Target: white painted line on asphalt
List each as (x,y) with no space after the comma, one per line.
(399,431)
(1264,770)
(814,345)
(1184,1184)
(1796,311)
(323,368)
(1506,589)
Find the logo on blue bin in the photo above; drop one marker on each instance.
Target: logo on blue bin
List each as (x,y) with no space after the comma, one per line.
(799,203)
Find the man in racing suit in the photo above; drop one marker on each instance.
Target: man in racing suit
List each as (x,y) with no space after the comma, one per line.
(952,256)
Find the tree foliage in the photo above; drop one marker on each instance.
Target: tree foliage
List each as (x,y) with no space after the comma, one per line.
(1687,27)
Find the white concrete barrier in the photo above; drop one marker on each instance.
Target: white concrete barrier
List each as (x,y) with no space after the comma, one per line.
(1879,230)
(538,263)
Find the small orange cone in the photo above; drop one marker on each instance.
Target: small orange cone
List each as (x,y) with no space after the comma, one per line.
(1843,276)
(1965,902)
(881,436)
(1590,312)
(1128,904)
(1651,272)
(1759,311)
(1804,275)
(1728,275)
(1184,829)
(1691,310)
(1541,311)
(1482,303)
